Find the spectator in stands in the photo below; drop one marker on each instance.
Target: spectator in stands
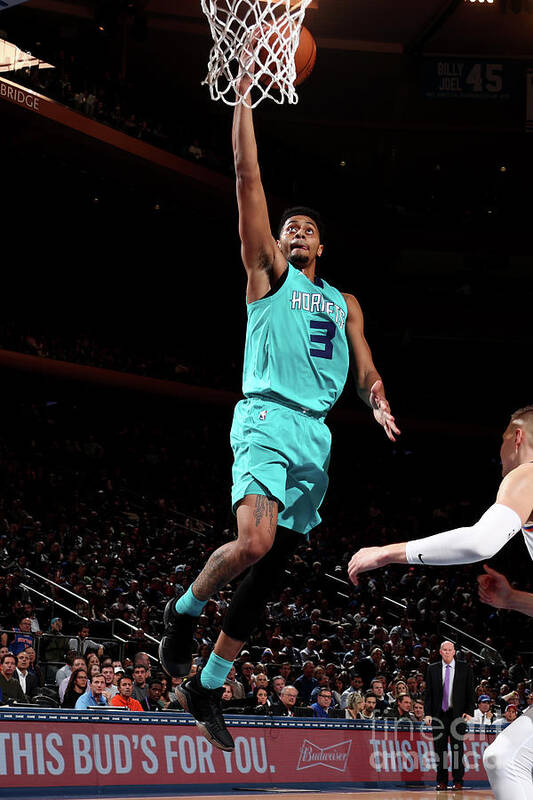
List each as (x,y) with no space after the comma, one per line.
(140,685)
(356,685)
(123,698)
(306,682)
(323,702)
(396,688)
(76,686)
(369,709)
(66,670)
(483,714)
(412,686)
(354,704)
(309,652)
(143,659)
(418,709)
(287,701)
(262,703)
(247,670)
(401,710)
(94,696)
(53,643)
(278,682)
(9,685)
(27,680)
(34,667)
(78,663)
(29,612)
(153,698)
(108,672)
(23,637)
(237,687)
(289,652)
(510,714)
(377,686)
(369,667)
(83,643)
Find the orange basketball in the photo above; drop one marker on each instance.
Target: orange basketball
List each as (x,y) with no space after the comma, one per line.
(304,58)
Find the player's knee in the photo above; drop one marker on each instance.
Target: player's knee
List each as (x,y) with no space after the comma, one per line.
(253,548)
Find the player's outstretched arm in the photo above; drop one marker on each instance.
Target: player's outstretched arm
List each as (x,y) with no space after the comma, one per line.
(495,589)
(367,379)
(462,545)
(261,256)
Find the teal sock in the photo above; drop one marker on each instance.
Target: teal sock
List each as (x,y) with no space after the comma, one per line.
(215,672)
(189,604)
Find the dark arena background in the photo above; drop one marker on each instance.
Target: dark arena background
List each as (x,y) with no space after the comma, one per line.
(122,333)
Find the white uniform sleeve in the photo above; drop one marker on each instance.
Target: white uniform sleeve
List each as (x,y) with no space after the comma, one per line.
(467,545)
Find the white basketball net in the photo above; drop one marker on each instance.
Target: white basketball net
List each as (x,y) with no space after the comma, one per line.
(274,28)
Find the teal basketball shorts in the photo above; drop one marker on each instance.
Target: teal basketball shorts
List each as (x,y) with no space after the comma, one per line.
(283,453)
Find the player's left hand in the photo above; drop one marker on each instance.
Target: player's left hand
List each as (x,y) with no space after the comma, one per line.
(381,409)
(364,560)
(494,588)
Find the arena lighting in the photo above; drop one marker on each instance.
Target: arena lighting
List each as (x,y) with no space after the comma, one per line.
(11,58)
(479,1)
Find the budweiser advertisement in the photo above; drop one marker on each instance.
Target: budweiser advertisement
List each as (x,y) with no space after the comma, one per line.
(41,751)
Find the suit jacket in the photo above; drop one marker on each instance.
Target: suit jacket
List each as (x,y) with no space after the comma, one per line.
(463,700)
(32,684)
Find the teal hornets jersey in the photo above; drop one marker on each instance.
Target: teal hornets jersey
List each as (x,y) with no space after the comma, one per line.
(296,348)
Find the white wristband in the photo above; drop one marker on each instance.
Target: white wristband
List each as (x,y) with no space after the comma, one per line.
(467,545)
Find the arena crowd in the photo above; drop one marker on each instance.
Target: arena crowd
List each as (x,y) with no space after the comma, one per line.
(115,510)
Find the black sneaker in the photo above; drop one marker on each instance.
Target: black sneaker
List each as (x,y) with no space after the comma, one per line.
(205,706)
(175,648)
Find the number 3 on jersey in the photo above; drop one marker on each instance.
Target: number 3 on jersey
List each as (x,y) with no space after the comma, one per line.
(325,338)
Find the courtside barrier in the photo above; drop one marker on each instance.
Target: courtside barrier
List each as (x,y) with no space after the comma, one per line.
(104,753)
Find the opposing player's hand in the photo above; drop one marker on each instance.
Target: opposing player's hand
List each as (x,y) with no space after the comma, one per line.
(381,410)
(364,560)
(494,588)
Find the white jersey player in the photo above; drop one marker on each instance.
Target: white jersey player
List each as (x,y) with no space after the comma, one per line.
(509,759)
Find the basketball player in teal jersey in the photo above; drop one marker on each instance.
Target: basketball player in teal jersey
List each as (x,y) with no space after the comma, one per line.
(509,759)
(299,334)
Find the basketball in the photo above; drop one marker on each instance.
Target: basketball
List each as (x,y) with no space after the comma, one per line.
(304,58)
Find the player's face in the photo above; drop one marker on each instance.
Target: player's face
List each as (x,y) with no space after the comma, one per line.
(299,241)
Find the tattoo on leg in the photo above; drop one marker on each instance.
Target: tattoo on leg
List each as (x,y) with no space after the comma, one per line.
(226,563)
(219,570)
(264,508)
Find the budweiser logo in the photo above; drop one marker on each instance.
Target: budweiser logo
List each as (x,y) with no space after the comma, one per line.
(335,756)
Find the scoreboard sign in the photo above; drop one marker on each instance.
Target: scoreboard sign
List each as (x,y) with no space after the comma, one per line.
(470,79)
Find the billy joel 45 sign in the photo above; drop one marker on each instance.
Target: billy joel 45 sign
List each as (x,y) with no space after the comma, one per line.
(470,79)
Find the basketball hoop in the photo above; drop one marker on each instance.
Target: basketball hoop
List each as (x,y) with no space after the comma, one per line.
(258,37)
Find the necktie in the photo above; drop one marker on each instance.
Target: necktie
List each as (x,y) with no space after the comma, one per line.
(446,690)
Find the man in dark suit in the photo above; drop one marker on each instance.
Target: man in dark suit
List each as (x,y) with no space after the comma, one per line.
(449,701)
(28,681)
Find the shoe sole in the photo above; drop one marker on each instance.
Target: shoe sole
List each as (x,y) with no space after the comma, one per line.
(182,697)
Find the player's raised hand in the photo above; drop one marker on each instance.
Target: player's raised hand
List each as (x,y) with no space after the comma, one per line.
(364,560)
(494,588)
(382,412)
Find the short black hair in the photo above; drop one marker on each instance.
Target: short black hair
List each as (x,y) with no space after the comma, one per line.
(303,211)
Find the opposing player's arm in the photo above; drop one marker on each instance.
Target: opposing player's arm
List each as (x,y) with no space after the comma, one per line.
(367,379)
(467,545)
(263,261)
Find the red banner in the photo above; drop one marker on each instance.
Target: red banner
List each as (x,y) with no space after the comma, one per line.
(151,756)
